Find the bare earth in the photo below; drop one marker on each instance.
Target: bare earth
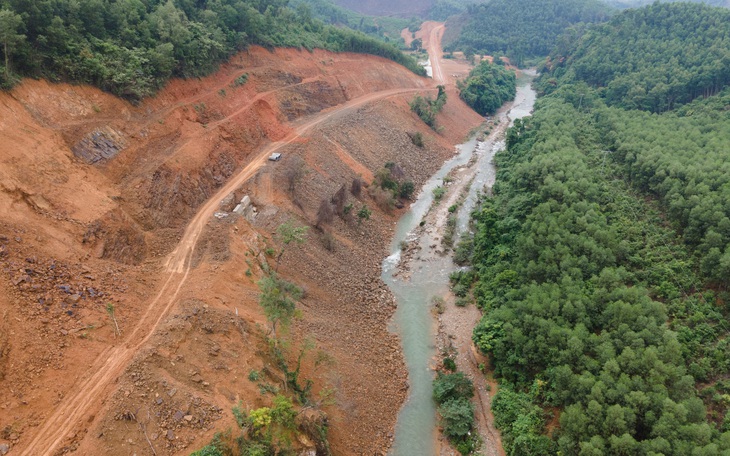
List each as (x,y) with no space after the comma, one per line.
(106,224)
(130,320)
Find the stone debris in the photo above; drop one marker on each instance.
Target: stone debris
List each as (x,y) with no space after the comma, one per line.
(245,208)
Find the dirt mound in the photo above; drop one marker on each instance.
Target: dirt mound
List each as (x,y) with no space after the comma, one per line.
(94,193)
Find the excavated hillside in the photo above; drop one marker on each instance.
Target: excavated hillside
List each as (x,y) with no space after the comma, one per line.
(130,322)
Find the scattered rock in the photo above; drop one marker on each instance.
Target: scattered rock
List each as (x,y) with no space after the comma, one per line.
(4,448)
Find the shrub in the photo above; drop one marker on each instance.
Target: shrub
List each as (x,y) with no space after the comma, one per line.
(439,193)
(447,387)
(406,190)
(363,214)
(339,199)
(241,80)
(294,171)
(449,364)
(325,214)
(460,290)
(439,304)
(427,108)
(416,139)
(457,417)
(383,198)
(328,241)
(356,187)
(463,252)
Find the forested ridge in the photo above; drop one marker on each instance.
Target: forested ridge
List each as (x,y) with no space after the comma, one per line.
(637,3)
(522,29)
(131,47)
(651,58)
(602,264)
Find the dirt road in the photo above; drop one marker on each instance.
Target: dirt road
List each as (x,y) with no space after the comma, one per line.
(435,52)
(90,390)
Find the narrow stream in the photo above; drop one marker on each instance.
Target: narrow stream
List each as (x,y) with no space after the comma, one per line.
(429,277)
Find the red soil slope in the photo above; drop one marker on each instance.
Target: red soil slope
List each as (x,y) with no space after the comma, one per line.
(80,237)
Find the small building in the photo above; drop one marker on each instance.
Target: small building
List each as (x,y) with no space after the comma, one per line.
(275,157)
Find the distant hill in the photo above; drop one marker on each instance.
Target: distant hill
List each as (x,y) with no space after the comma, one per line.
(652,58)
(521,29)
(404,8)
(622,4)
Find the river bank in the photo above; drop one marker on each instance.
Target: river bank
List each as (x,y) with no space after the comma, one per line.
(417,272)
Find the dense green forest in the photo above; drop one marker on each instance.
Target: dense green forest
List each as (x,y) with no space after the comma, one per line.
(521,29)
(131,47)
(651,58)
(488,87)
(602,265)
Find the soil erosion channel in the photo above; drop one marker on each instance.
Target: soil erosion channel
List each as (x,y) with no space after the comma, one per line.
(418,272)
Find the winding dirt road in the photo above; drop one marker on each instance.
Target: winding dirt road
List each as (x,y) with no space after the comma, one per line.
(89,392)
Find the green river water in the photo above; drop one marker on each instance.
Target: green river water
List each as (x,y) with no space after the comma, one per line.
(415,430)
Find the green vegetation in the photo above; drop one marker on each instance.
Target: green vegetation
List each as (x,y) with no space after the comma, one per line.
(241,80)
(438,193)
(651,58)
(131,48)
(287,233)
(416,139)
(601,264)
(522,29)
(363,214)
(452,392)
(426,108)
(577,277)
(390,184)
(263,431)
(488,87)
(278,299)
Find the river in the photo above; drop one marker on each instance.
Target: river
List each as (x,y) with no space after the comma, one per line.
(425,275)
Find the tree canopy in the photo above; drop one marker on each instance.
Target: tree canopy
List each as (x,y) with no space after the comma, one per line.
(652,58)
(488,87)
(521,29)
(131,47)
(601,264)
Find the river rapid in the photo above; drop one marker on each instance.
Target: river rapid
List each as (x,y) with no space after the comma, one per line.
(420,275)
